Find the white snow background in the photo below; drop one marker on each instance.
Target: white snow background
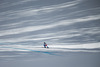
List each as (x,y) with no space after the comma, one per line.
(71,28)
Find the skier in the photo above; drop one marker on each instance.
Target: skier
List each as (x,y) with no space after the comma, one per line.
(45,45)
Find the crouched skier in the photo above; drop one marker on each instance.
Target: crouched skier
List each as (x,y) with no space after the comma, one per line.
(45,45)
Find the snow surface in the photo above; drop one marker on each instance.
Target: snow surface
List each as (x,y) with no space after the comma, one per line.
(54,56)
(71,28)
(57,59)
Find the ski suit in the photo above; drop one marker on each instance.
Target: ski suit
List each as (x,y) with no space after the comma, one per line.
(45,45)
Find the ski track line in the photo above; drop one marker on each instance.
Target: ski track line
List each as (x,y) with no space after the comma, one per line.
(50,53)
